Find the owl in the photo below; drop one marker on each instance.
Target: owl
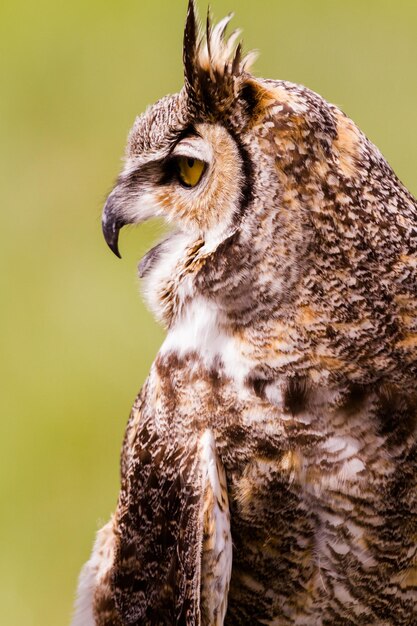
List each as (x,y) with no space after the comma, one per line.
(269,466)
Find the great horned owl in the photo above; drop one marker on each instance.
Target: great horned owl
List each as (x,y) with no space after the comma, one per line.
(268,471)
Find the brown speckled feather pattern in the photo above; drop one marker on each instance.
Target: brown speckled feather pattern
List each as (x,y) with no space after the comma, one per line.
(270,461)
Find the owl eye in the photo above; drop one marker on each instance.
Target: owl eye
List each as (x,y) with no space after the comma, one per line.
(190,171)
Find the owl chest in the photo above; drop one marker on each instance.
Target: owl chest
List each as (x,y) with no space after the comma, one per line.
(294,492)
(312,497)
(302,488)
(298,527)
(304,508)
(277,464)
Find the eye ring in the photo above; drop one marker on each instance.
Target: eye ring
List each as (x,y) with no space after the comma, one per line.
(189,171)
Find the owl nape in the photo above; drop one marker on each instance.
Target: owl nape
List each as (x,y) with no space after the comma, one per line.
(268,470)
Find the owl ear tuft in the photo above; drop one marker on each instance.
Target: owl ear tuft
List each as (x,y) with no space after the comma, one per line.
(190,46)
(213,65)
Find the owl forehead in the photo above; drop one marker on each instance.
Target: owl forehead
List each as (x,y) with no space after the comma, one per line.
(158,127)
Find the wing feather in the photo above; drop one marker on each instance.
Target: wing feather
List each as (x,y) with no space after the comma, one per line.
(216,561)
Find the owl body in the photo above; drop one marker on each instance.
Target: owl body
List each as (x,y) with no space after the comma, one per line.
(268,470)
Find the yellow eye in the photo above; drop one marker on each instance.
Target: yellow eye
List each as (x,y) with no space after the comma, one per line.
(190,171)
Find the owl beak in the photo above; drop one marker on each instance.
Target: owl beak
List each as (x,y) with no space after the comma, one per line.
(111,235)
(125,206)
(111,223)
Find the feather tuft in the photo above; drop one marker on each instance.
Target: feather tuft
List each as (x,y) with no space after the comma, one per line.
(214,67)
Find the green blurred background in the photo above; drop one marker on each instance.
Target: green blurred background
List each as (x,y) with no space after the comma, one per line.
(76,340)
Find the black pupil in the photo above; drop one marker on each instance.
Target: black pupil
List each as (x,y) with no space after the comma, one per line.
(190,162)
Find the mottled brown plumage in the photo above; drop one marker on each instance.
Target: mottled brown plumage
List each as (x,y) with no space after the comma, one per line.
(269,463)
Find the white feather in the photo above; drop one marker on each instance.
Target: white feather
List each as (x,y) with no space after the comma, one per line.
(92,573)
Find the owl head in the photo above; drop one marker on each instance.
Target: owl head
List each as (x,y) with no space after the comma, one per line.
(185,158)
(194,158)
(278,207)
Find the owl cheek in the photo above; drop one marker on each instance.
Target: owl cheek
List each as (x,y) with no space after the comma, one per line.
(179,210)
(210,207)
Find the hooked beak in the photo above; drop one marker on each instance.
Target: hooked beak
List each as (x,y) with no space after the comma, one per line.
(111,229)
(124,206)
(111,222)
